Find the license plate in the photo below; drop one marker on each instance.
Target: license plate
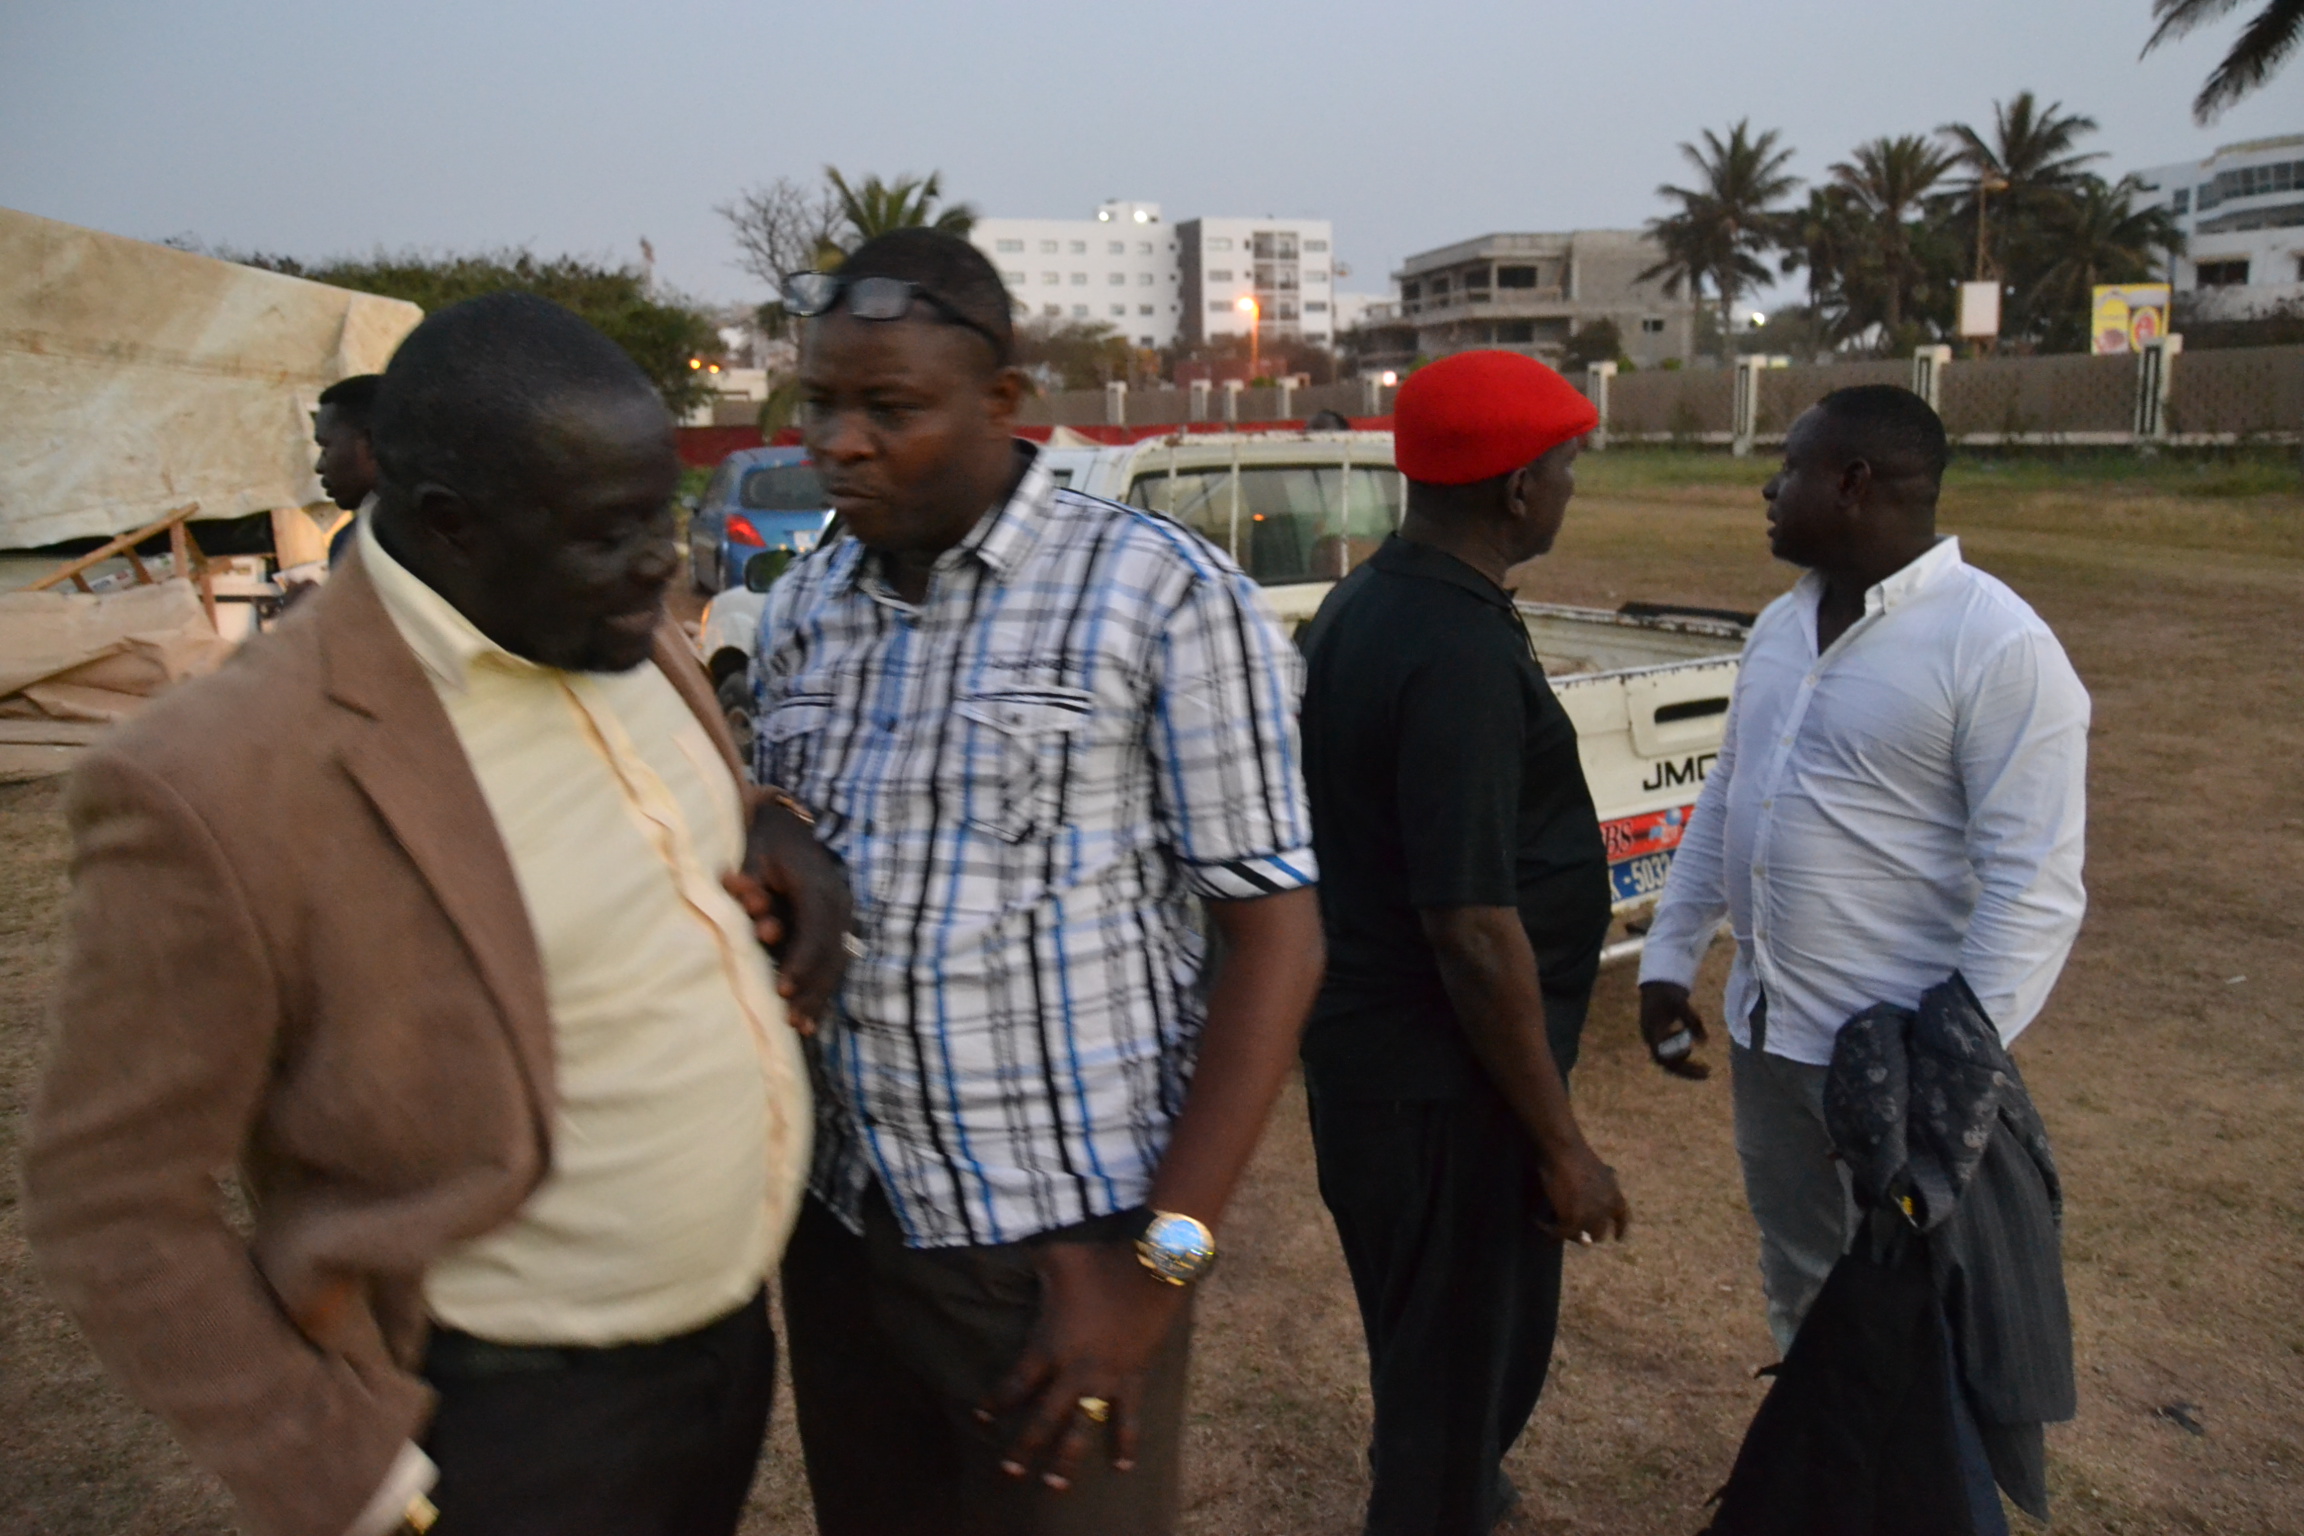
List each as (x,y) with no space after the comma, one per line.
(1640,850)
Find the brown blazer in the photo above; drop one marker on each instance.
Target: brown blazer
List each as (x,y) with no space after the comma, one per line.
(295,949)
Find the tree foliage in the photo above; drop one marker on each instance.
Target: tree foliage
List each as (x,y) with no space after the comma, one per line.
(1886,240)
(2262,47)
(660,332)
(873,207)
(1727,222)
(788,226)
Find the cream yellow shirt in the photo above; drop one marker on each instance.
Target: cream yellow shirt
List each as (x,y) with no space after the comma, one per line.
(681,1139)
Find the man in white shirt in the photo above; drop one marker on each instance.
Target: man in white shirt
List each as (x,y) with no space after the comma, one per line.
(1900,795)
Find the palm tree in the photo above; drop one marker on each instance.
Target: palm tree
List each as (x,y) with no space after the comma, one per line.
(1888,180)
(1823,238)
(2263,45)
(2027,160)
(875,207)
(1727,223)
(2100,235)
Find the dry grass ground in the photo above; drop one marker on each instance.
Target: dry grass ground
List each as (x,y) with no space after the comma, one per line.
(2170,1068)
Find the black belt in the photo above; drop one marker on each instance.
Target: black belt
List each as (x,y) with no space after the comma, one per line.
(451,1355)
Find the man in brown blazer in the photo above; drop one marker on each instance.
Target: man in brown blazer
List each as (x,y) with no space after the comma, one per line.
(437,916)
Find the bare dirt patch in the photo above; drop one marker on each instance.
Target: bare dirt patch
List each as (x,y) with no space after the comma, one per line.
(2170,1067)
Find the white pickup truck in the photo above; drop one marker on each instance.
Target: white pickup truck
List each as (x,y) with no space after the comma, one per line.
(1646,686)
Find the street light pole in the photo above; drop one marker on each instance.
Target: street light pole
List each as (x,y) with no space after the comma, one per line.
(1984,185)
(1255,314)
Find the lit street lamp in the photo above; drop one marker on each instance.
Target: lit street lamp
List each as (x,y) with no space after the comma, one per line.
(1247,306)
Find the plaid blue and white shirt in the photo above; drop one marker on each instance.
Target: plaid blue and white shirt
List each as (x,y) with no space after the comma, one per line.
(1031,775)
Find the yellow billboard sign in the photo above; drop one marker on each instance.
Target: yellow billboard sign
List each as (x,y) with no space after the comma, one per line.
(2127,317)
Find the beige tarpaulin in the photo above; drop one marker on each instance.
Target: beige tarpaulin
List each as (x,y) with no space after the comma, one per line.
(134,378)
(76,656)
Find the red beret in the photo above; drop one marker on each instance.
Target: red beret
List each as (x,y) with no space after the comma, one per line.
(1478,415)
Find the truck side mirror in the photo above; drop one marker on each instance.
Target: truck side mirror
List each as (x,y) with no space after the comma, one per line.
(761,571)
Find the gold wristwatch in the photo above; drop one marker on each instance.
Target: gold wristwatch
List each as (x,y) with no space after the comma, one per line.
(1177,1249)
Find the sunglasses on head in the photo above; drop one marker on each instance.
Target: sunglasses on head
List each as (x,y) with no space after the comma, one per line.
(809,294)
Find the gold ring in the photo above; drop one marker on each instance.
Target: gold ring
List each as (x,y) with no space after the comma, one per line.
(1096,1409)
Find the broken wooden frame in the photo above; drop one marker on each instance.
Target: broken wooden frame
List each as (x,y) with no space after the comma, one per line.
(183,552)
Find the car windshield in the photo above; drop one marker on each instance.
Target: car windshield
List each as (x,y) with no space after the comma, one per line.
(785,488)
(1282,522)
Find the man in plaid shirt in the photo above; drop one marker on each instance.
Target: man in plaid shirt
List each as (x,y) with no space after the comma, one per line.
(1041,730)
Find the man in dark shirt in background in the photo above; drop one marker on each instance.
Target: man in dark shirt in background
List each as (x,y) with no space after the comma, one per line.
(1464,889)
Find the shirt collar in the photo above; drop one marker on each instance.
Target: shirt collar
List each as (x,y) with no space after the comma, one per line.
(1941,556)
(1005,533)
(1901,587)
(1405,557)
(447,644)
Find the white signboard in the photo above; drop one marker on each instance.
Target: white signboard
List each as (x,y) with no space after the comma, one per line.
(1979,309)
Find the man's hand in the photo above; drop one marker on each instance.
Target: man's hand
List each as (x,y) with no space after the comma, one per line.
(797,897)
(1664,1012)
(1587,1207)
(1103,1317)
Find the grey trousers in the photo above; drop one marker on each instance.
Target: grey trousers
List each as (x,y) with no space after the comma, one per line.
(1799,1194)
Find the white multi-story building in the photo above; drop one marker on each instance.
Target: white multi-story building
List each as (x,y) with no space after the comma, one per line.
(1278,274)
(1119,267)
(1158,283)
(2242,211)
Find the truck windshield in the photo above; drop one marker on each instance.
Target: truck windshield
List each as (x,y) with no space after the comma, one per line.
(785,488)
(1282,522)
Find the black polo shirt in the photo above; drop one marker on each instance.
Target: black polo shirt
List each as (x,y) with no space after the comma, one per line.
(1442,773)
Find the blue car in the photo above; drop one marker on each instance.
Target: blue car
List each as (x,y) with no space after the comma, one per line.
(758,499)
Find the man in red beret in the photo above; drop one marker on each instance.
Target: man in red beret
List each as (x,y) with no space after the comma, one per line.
(1464,890)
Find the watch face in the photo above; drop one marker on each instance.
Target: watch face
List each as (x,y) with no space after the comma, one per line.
(1177,1247)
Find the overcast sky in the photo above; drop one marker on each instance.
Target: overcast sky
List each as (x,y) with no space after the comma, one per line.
(321,128)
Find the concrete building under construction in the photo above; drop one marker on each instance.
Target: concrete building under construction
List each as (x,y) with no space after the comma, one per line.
(1531,292)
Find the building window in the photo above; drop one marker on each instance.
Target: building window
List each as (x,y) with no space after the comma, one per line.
(1117,280)
(1013,279)
(1116,248)
(2300,269)
(1220,243)
(1314,275)
(1145,341)
(1410,293)
(1651,327)
(1079,247)
(1119,311)
(1079,311)
(2182,201)
(1219,274)
(1219,307)
(1047,247)
(1047,278)
(1315,245)
(1143,247)
(1144,309)
(1143,279)
(1515,277)
(1316,307)
(2223,274)
(1079,279)
(1011,245)
(1052,311)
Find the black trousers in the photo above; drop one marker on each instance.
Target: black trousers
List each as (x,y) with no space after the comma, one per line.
(1436,1202)
(892,1348)
(656,1439)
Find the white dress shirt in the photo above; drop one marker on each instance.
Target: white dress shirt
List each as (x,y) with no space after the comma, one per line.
(1907,804)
